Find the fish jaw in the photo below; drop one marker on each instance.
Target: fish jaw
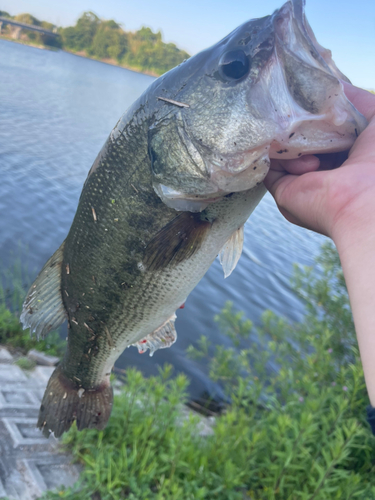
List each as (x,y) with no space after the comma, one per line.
(298,102)
(306,98)
(290,103)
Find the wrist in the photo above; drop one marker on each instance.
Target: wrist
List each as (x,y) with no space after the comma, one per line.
(355,241)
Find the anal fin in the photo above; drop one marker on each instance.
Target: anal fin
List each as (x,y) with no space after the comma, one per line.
(161,338)
(43,309)
(231,251)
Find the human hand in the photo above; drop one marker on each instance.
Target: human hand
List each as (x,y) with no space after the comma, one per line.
(311,192)
(340,203)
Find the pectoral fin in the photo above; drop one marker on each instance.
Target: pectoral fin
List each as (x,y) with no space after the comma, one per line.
(162,337)
(43,309)
(231,252)
(177,241)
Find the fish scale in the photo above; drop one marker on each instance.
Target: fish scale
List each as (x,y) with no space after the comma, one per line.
(178,177)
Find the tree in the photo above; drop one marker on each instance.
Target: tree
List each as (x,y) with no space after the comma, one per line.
(149,52)
(145,34)
(80,36)
(109,41)
(27,19)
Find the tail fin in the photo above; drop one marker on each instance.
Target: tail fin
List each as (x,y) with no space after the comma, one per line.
(43,309)
(64,402)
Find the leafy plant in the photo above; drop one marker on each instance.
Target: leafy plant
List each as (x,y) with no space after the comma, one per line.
(25,363)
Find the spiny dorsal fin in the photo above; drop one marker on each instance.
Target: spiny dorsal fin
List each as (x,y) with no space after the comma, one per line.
(231,252)
(162,337)
(43,309)
(177,241)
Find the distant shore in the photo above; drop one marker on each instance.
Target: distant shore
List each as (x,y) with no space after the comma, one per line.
(111,62)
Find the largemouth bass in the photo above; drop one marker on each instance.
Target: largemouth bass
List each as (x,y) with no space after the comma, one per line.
(170,190)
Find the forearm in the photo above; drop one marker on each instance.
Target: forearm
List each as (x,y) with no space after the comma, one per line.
(355,242)
(340,203)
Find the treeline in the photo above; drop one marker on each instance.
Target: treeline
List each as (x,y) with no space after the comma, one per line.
(142,50)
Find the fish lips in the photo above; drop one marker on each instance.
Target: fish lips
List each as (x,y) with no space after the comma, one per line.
(314,115)
(297,98)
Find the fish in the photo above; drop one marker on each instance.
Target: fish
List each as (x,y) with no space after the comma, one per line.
(170,190)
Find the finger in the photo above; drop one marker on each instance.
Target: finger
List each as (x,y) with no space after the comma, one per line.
(273,177)
(363,149)
(297,166)
(332,160)
(363,100)
(290,217)
(302,165)
(302,199)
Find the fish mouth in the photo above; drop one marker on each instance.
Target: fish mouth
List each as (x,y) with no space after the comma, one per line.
(290,103)
(300,98)
(316,116)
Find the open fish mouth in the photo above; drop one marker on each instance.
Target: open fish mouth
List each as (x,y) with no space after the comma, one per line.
(298,95)
(285,99)
(315,116)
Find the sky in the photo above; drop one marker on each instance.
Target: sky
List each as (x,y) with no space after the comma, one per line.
(346,27)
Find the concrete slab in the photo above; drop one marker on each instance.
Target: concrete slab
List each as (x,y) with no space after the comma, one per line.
(42,359)
(11,373)
(30,464)
(51,472)
(42,374)
(5,357)
(35,485)
(23,432)
(18,398)
(2,490)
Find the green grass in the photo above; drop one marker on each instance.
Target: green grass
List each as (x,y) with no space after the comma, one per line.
(12,335)
(294,433)
(25,363)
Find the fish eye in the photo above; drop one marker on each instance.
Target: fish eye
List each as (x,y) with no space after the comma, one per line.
(234,64)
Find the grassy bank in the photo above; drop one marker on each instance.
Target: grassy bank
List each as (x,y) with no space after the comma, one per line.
(294,433)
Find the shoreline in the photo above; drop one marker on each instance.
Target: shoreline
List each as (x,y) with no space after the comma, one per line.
(110,62)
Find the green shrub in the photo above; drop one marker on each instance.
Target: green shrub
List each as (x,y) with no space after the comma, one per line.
(25,363)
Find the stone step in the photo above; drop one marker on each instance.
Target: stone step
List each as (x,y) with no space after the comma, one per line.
(5,357)
(30,464)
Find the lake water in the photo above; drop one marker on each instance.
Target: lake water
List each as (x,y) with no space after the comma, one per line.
(56,111)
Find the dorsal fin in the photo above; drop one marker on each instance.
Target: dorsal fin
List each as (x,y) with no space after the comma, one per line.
(162,337)
(43,309)
(231,252)
(177,241)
